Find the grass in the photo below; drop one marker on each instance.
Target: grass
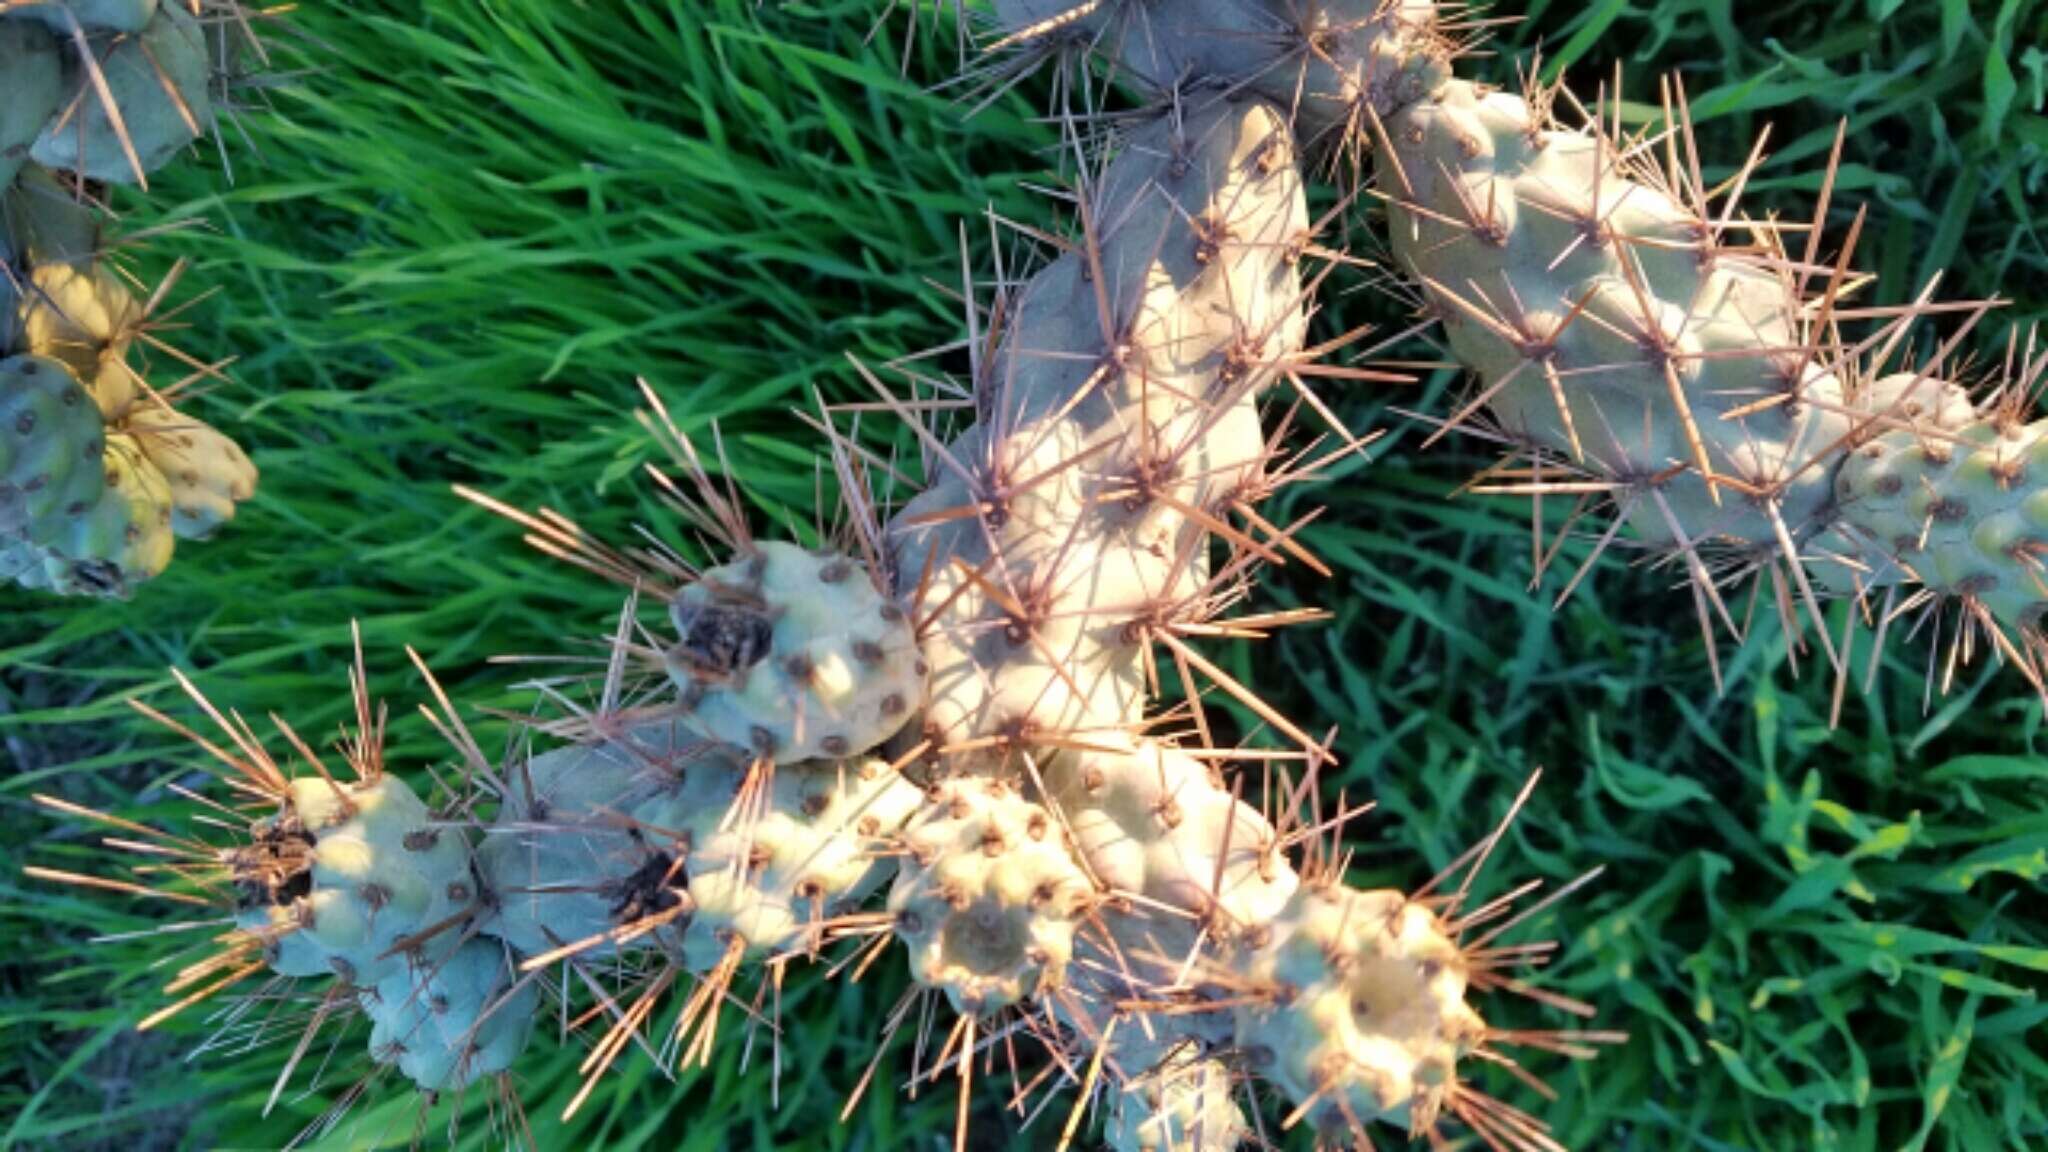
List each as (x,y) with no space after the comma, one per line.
(471,231)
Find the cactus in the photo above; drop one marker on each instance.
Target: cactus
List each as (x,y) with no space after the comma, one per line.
(360,872)
(111,91)
(1072,860)
(106,90)
(454,1022)
(164,472)
(206,473)
(566,861)
(988,903)
(1373,1017)
(31,90)
(1618,327)
(1081,526)
(1329,67)
(1950,501)
(353,880)
(1638,343)
(60,16)
(776,876)
(1152,821)
(1117,418)
(84,317)
(122,539)
(43,222)
(793,656)
(51,445)
(1185,1106)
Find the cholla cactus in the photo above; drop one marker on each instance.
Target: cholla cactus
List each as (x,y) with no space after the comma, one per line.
(357,881)
(113,89)
(92,91)
(567,861)
(454,1021)
(990,900)
(777,875)
(792,655)
(1183,1106)
(67,315)
(1367,1017)
(1068,855)
(1116,421)
(347,881)
(51,443)
(1637,340)
(1952,500)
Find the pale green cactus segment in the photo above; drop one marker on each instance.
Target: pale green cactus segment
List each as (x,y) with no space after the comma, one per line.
(1034,569)
(161,80)
(361,872)
(61,16)
(31,90)
(1186,869)
(122,540)
(1962,510)
(793,656)
(1186,1105)
(1132,1043)
(1851,560)
(452,1021)
(562,886)
(1367,1015)
(1607,322)
(207,473)
(23,564)
(52,450)
(350,880)
(1914,402)
(1158,824)
(288,951)
(44,229)
(1326,62)
(988,898)
(88,509)
(771,879)
(568,860)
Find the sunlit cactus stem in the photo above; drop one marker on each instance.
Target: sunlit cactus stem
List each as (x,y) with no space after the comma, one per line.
(973,724)
(1637,339)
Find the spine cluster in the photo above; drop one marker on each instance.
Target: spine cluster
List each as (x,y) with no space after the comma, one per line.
(95,491)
